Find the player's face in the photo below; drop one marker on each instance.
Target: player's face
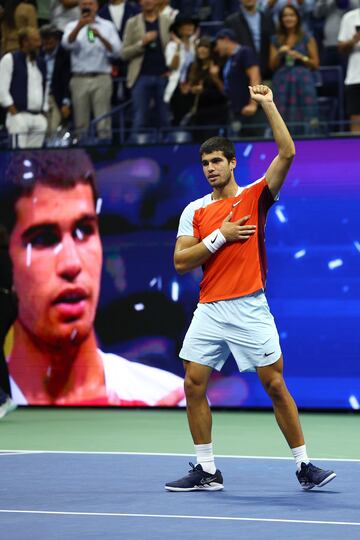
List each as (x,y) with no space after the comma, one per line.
(56,253)
(217,169)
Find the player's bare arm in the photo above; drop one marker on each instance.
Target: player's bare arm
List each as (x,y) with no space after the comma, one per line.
(276,173)
(191,253)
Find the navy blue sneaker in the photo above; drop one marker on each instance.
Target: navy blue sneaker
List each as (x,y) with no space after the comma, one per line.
(310,476)
(197,480)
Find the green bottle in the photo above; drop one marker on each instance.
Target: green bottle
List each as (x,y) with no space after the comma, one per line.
(90,34)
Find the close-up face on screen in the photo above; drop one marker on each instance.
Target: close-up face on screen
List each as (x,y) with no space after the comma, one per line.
(101,312)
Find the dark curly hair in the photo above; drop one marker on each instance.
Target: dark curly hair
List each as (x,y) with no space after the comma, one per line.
(220,144)
(60,169)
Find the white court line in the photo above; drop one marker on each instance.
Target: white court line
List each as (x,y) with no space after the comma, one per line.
(15,453)
(168,454)
(179,516)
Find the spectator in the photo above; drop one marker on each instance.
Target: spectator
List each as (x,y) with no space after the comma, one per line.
(273,7)
(145,38)
(22,91)
(349,43)
(92,42)
(57,61)
(253,29)
(204,82)
(332,11)
(119,12)
(179,54)
(240,71)
(62,12)
(293,56)
(164,8)
(18,14)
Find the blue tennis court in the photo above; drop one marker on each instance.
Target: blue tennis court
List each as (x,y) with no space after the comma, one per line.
(121,495)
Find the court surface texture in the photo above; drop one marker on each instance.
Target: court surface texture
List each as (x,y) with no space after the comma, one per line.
(100,474)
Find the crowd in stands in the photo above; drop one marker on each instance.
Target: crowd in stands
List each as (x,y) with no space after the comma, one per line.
(67,65)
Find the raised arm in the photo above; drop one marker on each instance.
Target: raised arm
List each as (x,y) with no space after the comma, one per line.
(276,173)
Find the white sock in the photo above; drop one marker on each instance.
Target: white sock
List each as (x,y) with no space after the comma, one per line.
(205,457)
(300,456)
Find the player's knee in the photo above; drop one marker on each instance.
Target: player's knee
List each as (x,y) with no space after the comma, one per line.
(276,388)
(194,388)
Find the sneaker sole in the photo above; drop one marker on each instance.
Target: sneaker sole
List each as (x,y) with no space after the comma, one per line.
(212,487)
(323,483)
(327,480)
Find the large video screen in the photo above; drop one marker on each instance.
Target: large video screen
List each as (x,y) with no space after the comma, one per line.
(121,279)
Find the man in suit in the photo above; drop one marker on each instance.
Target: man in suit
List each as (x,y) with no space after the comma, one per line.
(58,72)
(253,29)
(145,38)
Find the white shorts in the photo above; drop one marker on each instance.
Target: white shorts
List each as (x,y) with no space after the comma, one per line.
(242,326)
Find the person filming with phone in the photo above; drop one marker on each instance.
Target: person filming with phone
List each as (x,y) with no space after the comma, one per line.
(92,42)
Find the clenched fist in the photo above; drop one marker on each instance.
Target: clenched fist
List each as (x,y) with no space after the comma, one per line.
(261,93)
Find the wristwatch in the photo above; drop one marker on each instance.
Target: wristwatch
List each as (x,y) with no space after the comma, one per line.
(305,59)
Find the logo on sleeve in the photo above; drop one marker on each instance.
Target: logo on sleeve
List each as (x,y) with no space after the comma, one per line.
(236,203)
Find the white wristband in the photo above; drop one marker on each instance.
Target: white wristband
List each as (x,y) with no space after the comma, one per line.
(214,241)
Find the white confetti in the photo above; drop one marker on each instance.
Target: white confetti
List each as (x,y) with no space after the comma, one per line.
(98,205)
(28,254)
(58,248)
(354,402)
(357,245)
(73,334)
(247,150)
(175,291)
(300,254)
(79,234)
(279,212)
(335,264)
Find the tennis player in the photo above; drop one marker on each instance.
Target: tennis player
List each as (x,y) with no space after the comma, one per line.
(48,207)
(224,233)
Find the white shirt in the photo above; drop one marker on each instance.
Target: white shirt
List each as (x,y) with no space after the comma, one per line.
(347,31)
(86,56)
(117,13)
(35,94)
(186,57)
(128,381)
